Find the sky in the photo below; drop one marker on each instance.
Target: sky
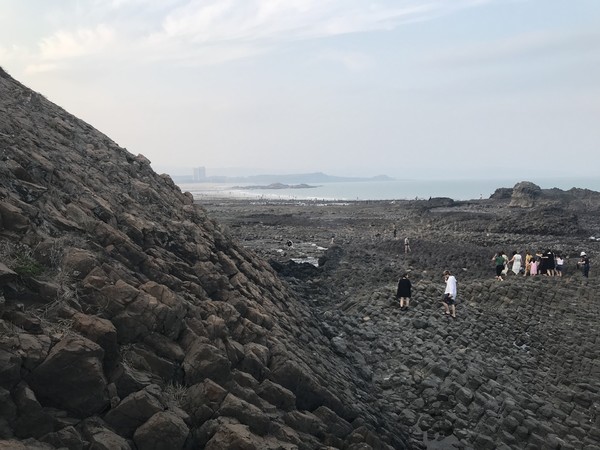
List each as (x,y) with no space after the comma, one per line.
(406,88)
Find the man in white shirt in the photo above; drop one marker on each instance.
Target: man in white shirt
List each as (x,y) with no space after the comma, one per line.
(450,294)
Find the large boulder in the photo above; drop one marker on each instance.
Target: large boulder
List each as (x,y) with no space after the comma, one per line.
(32,421)
(101,437)
(72,377)
(12,217)
(202,400)
(102,332)
(163,431)
(246,413)
(67,437)
(277,395)
(205,361)
(525,194)
(10,368)
(133,411)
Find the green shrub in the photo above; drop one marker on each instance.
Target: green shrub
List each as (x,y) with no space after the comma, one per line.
(26,266)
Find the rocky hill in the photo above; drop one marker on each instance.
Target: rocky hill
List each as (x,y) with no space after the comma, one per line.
(129,319)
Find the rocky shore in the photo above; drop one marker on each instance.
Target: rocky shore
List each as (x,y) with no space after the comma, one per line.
(518,368)
(133,317)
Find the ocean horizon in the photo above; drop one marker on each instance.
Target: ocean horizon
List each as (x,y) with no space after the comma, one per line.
(457,189)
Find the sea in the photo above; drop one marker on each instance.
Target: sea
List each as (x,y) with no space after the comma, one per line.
(456,189)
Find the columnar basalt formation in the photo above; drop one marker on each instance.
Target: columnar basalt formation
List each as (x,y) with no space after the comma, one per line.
(130,319)
(519,367)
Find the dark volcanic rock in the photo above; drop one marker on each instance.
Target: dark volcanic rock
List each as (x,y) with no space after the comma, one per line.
(163,431)
(506,373)
(130,318)
(72,377)
(525,194)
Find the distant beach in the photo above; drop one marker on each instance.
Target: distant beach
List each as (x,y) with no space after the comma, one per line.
(385,190)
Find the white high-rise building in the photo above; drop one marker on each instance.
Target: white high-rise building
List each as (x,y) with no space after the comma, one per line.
(199,173)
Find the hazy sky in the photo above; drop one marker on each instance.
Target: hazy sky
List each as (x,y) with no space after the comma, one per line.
(407,88)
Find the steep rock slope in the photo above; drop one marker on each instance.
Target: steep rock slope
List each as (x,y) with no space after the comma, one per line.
(129,319)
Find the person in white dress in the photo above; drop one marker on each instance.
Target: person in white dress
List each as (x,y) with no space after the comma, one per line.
(516,263)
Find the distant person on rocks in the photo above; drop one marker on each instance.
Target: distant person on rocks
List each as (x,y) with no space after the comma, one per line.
(449,300)
(560,262)
(533,270)
(404,291)
(541,263)
(584,264)
(528,259)
(505,267)
(516,263)
(406,245)
(395,232)
(498,260)
(549,263)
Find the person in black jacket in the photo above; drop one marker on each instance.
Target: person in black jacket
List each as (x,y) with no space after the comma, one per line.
(404,291)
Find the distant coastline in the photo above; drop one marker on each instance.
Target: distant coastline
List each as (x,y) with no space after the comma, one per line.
(269,179)
(383,190)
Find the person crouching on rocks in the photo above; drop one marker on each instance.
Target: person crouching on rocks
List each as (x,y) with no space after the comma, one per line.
(449,301)
(403,293)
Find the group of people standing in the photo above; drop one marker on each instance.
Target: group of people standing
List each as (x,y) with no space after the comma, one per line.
(546,263)
(542,263)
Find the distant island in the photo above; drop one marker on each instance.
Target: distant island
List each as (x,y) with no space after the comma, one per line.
(277,186)
(290,179)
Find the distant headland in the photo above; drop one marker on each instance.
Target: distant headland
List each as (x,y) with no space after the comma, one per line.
(277,186)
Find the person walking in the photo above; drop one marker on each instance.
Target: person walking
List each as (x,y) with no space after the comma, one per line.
(516,263)
(449,301)
(499,260)
(406,245)
(584,264)
(403,292)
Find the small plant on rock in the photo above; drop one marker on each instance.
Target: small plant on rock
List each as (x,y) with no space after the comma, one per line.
(175,392)
(20,258)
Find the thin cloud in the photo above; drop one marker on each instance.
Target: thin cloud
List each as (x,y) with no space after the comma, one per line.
(81,42)
(228,20)
(217,31)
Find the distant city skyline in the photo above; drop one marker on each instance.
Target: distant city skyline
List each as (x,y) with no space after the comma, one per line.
(404,88)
